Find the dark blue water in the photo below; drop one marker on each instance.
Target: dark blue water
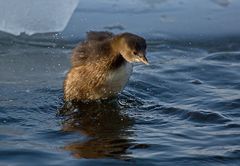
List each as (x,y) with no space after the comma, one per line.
(182,109)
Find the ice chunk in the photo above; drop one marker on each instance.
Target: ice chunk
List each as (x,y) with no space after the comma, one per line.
(31,16)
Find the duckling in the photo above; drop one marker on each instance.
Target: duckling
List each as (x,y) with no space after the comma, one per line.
(102,65)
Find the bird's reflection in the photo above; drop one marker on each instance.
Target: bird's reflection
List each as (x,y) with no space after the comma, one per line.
(106,126)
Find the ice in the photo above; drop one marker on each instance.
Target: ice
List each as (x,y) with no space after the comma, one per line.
(32,16)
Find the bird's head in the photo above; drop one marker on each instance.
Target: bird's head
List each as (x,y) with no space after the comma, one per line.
(132,48)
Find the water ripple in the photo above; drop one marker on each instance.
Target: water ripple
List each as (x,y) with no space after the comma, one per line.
(233,57)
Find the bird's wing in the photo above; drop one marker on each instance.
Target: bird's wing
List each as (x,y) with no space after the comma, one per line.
(99,35)
(81,53)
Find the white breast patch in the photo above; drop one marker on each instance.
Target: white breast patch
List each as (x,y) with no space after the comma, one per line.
(117,79)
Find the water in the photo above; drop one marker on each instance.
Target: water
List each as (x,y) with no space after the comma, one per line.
(183,109)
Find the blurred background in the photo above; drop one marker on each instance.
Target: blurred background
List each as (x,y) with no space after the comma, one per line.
(151,18)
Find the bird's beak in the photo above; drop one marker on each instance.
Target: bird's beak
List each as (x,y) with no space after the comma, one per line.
(142,58)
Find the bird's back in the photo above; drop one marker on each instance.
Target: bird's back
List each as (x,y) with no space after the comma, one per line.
(98,36)
(92,48)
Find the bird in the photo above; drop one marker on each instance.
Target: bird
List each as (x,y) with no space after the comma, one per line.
(102,64)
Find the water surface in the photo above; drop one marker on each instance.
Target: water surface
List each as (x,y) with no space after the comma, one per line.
(182,109)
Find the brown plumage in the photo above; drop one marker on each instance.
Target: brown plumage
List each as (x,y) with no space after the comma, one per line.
(101,65)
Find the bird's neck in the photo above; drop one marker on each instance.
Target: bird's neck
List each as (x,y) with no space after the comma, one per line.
(115,59)
(116,43)
(117,62)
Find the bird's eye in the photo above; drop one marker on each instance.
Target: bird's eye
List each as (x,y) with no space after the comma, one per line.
(135,52)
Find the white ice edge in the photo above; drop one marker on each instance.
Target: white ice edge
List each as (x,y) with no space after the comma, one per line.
(32,16)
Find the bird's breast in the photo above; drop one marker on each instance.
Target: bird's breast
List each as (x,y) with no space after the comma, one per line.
(117,79)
